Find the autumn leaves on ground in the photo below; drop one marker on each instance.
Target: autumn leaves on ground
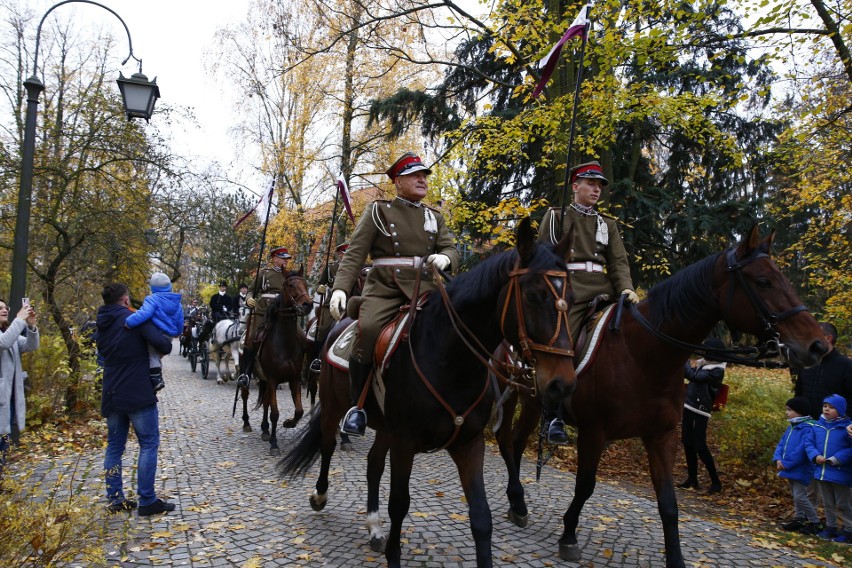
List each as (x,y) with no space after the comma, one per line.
(742,438)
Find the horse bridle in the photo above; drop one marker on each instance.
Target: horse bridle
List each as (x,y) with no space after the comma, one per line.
(295,308)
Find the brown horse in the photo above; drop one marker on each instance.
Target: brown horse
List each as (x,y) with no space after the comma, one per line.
(280,357)
(634,388)
(436,393)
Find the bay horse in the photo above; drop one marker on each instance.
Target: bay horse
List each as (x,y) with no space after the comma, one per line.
(634,387)
(436,392)
(224,347)
(279,358)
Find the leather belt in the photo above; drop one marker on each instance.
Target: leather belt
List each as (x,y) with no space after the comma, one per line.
(585,266)
(407,261)
(268,295)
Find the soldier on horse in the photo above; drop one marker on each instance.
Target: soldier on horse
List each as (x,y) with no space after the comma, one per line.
(397,235)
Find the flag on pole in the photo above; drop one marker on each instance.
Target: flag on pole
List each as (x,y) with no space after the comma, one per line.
(577,28)
(267,196)
(344,195)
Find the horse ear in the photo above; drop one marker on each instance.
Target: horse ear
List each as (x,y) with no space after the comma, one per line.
(751,242)
(563,247)
(525,240)
(301,269)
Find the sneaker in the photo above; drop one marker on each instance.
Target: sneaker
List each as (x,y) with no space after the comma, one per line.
(689,483)
(845,537)
(124,505)
(355,422)
(828,534)
(556,432)
(157,382)
(794,525)
(243,381)
(316,365)
(155,508)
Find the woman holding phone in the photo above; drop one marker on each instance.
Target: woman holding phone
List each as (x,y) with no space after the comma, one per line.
(16,337)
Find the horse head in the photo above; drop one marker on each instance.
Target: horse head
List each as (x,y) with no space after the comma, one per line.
(295,295)
(757,298)
(535,305)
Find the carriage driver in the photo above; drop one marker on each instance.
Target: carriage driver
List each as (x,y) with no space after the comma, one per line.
(598,262)
(267,285)
(398,235)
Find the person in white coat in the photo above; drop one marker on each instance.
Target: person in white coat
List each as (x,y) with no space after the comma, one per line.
(19,336)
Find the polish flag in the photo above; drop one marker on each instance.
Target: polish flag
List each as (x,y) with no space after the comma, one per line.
(579,27)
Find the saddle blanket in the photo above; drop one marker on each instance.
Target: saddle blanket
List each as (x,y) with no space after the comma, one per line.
(590,350)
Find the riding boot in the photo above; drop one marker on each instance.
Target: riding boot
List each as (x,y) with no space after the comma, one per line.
(355,421)
(691,481)
(247,364)
(715,482)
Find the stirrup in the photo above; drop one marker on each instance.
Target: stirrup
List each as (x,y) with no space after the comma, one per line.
(355,422)
(243,380)
(316,365)
(556,432)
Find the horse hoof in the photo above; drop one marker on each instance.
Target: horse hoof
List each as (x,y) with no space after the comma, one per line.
(570,552)
(247,428)
(290,423)
(345,446)
(518,520)
(316,504)
(265,436)
(274,452)
(219,381)
(377,544)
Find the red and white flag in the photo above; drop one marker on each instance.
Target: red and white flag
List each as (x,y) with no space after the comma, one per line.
(344,195)
(578,27)
(267,197)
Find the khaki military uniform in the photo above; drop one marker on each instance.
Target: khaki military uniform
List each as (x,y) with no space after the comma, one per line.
(270,282)
(595,268)
(397,235)
(324,318)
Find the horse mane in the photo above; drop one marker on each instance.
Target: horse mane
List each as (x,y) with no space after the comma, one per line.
(683,296)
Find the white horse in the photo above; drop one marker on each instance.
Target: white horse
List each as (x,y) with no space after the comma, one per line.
(225,347)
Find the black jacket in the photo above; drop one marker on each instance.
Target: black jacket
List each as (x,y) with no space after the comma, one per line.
(832,376)
(221,306)
(704,382)
(126,382)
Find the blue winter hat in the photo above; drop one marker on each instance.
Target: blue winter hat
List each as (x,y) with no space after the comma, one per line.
(160,283)
(838,402)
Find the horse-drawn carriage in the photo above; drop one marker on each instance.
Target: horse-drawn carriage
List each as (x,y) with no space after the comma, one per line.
(193,343)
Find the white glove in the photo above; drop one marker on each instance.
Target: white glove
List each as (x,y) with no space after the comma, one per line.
(631,296)
(441,261)
(321,289)
(337,304)
(251,302)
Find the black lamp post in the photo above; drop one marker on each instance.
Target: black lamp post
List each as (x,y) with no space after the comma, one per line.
(139,96)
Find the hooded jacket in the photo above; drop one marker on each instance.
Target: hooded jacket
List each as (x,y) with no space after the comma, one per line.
(791,451)
(12,344)
(163,309)
(126,382)
(830,440)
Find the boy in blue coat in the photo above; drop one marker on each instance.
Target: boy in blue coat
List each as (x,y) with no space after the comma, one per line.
(163,308)
(791,461)
(830,448)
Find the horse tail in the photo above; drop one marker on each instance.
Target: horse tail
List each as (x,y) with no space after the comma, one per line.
(299,460)
(262,388)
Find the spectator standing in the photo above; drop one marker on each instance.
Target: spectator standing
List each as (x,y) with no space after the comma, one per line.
(19,336)
(833,375)
(705,379)
(163,308)
(830,448)
(792,462)
(127,398)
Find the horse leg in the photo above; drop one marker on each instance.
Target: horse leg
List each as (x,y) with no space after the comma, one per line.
(218,357)
(262,387)
(661,455)
(296,393)
(273,421)
(375,469)
(244,394)
(469,459)
(399,500)
(589,449)
(512,439)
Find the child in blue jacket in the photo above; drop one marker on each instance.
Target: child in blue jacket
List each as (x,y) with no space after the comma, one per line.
(830,449)
(792,462)
(163,308)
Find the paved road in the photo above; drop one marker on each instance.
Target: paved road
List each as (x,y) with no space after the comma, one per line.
(234,511)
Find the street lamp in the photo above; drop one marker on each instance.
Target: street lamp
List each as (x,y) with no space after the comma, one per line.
(138,95)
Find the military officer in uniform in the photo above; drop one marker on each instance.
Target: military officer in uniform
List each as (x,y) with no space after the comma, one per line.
(266,285)
(397,234)
(598,262)
(324,318)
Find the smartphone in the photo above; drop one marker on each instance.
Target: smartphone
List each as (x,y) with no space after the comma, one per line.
(25,301)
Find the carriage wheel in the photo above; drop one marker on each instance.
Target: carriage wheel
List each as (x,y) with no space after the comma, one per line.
(205,361)
(193,355)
